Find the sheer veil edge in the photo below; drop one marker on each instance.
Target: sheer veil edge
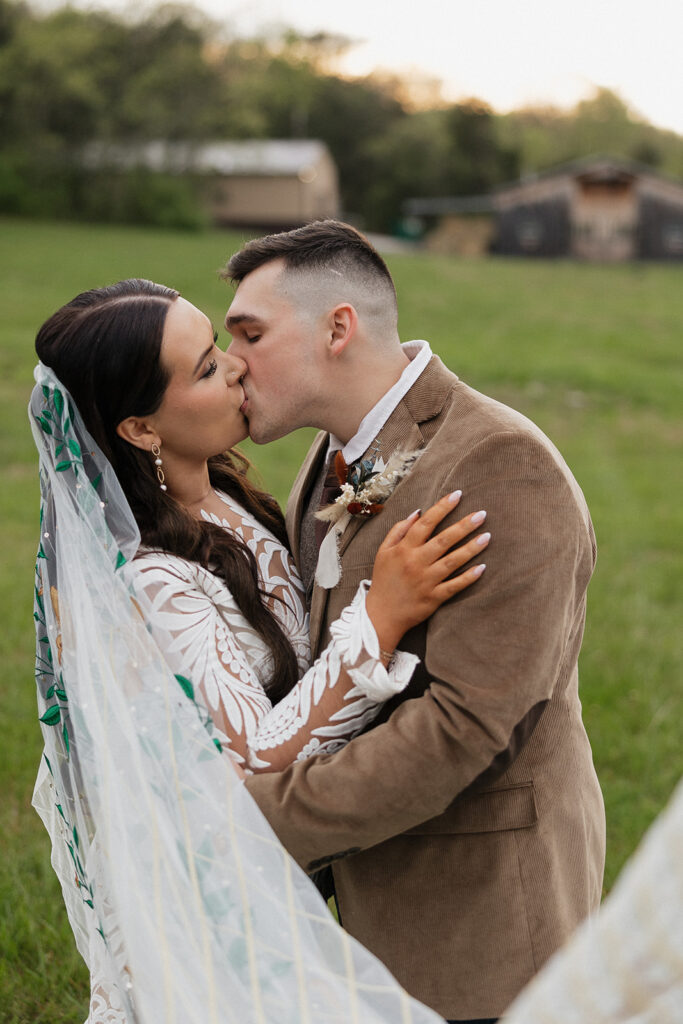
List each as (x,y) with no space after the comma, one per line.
(183,903)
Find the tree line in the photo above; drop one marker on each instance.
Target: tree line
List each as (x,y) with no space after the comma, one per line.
(71,76)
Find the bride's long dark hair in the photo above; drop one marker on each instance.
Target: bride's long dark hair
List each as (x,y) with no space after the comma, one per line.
(105,347)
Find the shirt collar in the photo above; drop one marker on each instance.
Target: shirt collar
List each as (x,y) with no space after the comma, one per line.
(419,353)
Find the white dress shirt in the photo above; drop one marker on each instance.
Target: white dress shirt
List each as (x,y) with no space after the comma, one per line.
(419,353)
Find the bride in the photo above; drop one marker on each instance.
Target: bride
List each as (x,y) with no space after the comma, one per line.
(173,657)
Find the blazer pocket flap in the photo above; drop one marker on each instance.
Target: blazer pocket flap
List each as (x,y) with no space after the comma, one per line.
(492,810)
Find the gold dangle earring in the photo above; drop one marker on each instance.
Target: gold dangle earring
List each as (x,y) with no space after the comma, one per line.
(156,452)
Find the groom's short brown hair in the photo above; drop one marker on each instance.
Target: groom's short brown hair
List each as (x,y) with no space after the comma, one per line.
(322,244)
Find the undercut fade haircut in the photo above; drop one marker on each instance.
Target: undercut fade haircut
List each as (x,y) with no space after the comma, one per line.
(323,245)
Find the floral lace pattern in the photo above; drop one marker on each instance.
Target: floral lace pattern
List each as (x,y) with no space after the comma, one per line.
(206,639)
(281,582)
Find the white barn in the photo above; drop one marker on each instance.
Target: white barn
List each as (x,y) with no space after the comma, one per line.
(267,183)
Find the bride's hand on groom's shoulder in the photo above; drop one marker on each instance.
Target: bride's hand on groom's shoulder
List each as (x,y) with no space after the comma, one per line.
(413,570)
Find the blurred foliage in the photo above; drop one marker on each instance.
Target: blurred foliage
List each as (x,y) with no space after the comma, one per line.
(71,76)
(601,124)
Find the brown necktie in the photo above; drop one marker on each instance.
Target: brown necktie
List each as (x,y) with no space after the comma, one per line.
(331,490)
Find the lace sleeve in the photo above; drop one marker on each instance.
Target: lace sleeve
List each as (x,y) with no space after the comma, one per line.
(207,642)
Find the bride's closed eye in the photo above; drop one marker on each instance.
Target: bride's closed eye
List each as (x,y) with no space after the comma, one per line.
(213,366)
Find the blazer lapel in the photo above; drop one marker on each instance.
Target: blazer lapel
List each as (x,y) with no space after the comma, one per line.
(296,502)
(400,431)
(319,600)
(424,402)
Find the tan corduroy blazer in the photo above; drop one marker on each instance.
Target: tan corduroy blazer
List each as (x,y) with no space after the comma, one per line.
(467,826)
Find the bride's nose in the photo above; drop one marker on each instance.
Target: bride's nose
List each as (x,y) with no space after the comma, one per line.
(236,368)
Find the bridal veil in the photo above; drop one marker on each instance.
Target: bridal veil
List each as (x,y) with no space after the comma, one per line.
(183,903)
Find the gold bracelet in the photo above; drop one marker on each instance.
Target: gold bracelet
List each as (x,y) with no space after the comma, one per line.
(387,654)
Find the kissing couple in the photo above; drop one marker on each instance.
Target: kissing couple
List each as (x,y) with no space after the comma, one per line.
(225,694)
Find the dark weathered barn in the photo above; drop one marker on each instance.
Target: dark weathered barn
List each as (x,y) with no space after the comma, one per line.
(600,208)
(594,209)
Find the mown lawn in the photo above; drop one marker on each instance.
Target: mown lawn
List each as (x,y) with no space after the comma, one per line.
(592,354)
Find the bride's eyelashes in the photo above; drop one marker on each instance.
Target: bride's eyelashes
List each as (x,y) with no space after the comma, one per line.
(213,366)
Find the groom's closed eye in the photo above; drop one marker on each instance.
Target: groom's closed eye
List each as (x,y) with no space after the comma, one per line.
(245,325)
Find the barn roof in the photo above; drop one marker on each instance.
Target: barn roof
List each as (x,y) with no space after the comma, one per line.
(267,157)
(597,167)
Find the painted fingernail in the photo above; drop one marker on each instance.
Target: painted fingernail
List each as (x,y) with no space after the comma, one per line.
(483,539)
(478,569)
(415,514)
(477,518)
(455,497)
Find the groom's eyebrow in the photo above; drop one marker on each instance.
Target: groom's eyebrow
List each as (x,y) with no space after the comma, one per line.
(240,318)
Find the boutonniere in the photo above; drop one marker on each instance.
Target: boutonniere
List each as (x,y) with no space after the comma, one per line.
(365,486)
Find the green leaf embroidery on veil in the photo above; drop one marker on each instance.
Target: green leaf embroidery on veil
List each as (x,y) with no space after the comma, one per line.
(204,715)
(57,427)
(187,686)
(52,715)
(59,402)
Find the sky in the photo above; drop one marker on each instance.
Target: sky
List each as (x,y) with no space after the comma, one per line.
(509,53)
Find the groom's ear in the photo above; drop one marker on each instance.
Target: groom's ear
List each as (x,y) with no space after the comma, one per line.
(342,325)
(138,432)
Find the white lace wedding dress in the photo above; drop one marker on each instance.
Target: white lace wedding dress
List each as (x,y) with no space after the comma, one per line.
(206,640)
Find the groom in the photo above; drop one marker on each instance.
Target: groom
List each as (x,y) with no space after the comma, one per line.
(465,828)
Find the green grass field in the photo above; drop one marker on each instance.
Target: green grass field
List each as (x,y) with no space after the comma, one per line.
(592,354)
